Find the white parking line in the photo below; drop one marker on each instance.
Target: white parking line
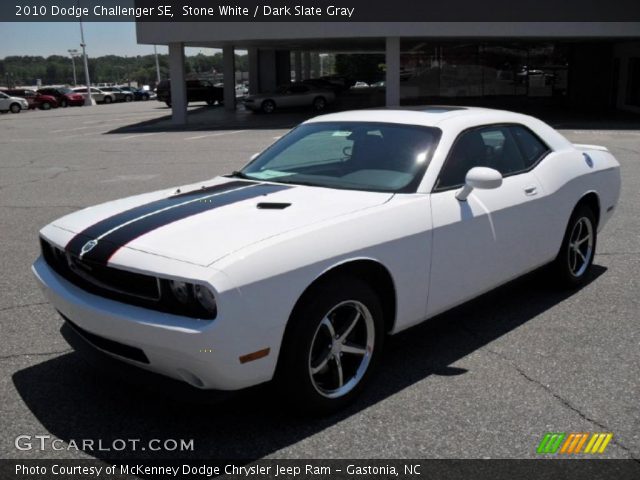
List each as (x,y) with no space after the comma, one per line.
(214,134)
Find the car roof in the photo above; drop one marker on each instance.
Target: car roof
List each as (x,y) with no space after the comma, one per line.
(447,117)
(428,115)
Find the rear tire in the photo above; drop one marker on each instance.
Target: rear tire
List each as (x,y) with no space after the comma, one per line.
(332,346)
(319,104)
(572,266)
(268,106)
(15,108)
(64,104)
(128,98)
(107,100)
(45,106)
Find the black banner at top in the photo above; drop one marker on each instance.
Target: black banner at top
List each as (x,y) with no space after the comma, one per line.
(320,11)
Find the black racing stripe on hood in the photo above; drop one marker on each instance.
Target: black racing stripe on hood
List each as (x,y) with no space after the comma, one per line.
(103,226)
(154,218)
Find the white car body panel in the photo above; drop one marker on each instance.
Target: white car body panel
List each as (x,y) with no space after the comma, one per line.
(438,250)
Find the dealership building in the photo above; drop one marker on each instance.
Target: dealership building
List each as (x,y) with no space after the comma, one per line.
(593,65)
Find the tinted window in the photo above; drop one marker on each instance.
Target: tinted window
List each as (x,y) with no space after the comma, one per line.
(530,145)
(495,146)
(351,155)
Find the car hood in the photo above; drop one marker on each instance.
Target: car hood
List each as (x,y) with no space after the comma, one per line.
(201,224)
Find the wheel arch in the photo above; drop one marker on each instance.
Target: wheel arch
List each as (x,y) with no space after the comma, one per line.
(590,199)
(371,271)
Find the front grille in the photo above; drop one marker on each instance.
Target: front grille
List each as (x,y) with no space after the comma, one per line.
(127,287)
(119,281)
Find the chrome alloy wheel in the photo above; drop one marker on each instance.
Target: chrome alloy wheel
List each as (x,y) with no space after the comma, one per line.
(580,247)
(341,349)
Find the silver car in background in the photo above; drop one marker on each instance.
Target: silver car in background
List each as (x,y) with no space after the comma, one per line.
(291,95)
(97,94)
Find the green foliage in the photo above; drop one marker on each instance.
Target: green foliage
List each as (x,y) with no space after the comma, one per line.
(58,70)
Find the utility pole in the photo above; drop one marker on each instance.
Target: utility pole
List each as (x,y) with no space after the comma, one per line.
(88,100)
(74,53)
(155,51)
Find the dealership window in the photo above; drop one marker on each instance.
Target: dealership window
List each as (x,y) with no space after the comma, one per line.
(633,83)
(480,70)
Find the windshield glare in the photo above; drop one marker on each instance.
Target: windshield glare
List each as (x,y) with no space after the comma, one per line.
(352,155)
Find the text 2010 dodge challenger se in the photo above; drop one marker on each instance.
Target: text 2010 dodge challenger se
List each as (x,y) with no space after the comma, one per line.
(352,226)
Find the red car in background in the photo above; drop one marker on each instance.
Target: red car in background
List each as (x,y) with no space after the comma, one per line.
(65,96)
(35,99)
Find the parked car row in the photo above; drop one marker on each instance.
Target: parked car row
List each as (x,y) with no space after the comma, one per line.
(18,99)
(115,94)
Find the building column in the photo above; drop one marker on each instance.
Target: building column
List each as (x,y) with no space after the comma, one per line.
(392,54)
(297,65)
(229,71)
(307,66)
(178,84)
(254,79)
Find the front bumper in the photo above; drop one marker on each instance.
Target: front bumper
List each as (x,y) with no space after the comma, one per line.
(205,354)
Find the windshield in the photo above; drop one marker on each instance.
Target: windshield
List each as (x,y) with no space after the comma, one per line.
(351,155)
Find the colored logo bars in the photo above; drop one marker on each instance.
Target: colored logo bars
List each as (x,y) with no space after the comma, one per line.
(574,443)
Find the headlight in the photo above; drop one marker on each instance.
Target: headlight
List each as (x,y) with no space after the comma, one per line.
(206,299)
(190,299)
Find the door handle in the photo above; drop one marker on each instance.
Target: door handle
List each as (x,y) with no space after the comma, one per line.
(531,190)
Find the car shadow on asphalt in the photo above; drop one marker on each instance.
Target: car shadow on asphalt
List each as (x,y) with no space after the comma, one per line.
(73,400)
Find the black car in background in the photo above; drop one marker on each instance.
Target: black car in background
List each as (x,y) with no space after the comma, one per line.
(197,91)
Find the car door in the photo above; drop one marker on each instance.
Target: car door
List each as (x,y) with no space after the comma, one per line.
(493,236)
(4,102)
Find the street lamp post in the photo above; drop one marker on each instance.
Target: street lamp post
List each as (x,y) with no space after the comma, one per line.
(88,100)
(74,53)
(155,51)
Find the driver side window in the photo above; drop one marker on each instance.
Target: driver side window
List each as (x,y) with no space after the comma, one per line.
(492,146)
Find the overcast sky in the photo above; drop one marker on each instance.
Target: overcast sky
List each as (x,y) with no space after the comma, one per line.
(108,38)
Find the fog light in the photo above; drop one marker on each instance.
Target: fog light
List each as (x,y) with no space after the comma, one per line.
(205,298)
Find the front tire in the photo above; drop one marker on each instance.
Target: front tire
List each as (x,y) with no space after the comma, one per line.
(15,108)
(572,266)
(45,106)
(107,100)
(332,346)
(64,104)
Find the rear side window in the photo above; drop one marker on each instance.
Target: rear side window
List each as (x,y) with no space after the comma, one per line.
(532,148)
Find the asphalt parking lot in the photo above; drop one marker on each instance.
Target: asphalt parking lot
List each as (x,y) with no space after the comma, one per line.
(487,380)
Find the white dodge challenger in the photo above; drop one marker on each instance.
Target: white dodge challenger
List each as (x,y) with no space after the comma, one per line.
(352,226)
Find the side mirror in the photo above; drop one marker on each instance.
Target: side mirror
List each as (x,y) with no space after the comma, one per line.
(479,177)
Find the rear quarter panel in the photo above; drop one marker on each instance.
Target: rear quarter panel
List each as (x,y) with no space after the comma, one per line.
(568,175)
